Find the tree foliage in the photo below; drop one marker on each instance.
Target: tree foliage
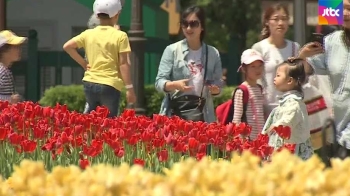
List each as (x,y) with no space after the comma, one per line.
(230,18)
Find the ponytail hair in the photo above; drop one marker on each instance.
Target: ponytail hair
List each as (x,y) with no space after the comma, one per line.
(296,71)
(265,32)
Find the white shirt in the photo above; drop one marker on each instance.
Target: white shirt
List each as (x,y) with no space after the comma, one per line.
(196,69)
(273,57)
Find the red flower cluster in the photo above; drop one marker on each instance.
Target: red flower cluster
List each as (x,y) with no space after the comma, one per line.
(74,138)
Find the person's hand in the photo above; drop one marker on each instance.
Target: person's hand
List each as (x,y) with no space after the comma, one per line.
(214,90)
(310,49)
(181,85)
(15,98)
(87,67)
(130,96)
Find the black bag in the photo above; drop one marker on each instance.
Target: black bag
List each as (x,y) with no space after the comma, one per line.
(334,150)
(190,107)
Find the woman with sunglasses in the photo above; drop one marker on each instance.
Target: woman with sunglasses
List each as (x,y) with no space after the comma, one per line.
(190,70)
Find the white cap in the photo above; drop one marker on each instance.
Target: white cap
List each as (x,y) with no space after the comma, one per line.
(109,7)
(249,56)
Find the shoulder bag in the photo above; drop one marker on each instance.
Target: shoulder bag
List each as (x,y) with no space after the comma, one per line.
(190,107)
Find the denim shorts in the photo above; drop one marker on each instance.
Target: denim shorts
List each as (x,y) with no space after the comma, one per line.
(101,95)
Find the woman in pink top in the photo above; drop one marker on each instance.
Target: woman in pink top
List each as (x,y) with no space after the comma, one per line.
(252,66)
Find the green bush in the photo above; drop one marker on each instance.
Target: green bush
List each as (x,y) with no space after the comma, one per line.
(73,96)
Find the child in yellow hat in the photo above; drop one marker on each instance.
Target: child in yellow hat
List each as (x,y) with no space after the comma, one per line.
(10,52)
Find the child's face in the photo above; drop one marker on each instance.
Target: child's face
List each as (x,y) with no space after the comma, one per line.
(13,54)
(282,81)
(255,70)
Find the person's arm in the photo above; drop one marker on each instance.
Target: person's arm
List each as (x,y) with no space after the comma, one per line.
(218,74)
(316,65)
(125,68)
(238,106)
(163,83)
(124,51)
(71,47)
(315,58)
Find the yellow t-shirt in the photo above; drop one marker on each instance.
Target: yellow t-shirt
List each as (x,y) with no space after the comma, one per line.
(102,47)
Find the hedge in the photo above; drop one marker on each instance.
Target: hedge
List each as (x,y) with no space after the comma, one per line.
(73,96)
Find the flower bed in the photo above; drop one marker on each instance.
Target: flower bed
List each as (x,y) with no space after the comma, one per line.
(286,175)
(57,136)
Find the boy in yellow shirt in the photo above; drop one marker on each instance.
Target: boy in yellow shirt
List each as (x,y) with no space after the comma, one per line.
(107,50)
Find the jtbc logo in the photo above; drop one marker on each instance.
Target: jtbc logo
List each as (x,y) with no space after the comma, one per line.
(330,12)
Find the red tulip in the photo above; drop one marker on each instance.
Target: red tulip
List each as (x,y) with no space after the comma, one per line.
(162,155)
(61,133)
(283,131)
(84,163)
(3,133)
(28,146)
(139,162)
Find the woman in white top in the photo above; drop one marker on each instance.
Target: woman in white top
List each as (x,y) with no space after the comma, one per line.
(275,49)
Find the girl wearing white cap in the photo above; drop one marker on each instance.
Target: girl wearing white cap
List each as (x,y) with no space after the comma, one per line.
(10,52)
(252,112)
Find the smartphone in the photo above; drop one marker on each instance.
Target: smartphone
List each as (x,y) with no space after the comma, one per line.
(317,37)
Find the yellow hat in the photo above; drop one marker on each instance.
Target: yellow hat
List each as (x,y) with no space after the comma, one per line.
(8,37)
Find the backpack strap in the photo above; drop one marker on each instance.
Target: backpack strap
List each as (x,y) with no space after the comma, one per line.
(261,88)
(293,48)
(245,91)
(244,88)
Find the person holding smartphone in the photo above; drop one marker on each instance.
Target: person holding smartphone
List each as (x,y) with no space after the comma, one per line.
(333,59)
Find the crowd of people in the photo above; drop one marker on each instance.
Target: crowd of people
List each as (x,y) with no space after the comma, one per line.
(279,85)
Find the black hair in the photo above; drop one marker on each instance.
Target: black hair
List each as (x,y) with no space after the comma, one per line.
(103,16)
(199,11)
(296,71)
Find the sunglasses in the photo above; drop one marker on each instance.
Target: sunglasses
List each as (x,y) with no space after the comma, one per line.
(192,23)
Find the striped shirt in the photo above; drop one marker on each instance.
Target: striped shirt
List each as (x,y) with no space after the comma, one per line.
(6,83)
(255,109)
